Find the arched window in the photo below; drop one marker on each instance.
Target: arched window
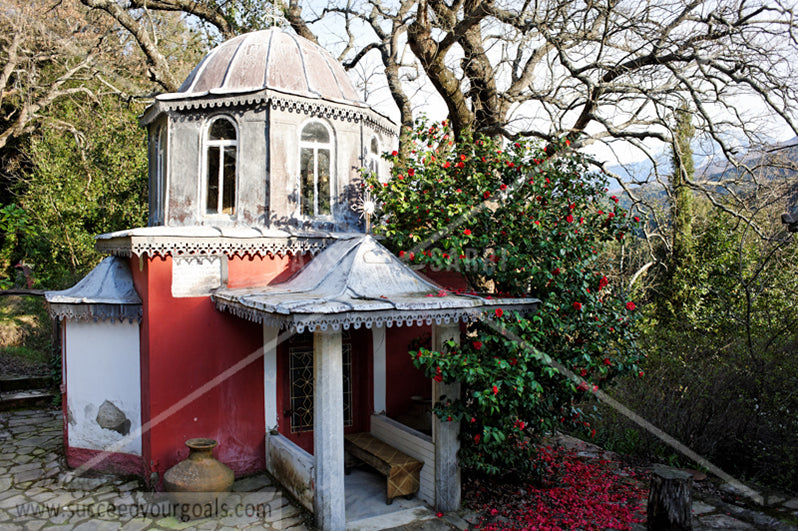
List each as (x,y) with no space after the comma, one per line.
(221,153)
(315,175)
(373,157)
(158,172)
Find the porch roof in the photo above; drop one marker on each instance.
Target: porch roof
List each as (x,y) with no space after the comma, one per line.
(354,282)
(107,292)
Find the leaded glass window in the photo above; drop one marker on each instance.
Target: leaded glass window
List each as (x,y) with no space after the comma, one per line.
(300,375)
(220,167)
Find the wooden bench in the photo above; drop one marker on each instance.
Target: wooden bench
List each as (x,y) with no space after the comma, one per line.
(401,471)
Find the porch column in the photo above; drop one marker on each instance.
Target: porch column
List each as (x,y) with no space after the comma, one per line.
(328,431)
(447,473)
(270,335)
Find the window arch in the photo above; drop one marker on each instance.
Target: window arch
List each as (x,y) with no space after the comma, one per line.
(221,155)
(315,170)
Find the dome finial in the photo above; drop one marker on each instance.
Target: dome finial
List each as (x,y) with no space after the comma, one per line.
(275,15)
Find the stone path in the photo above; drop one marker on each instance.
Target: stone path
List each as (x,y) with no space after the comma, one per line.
(37,492)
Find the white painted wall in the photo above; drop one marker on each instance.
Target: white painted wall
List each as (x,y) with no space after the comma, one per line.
(380,373)
(413,443)
(102,363)
(270,340)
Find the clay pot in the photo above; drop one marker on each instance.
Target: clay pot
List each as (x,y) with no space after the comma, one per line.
(198,484)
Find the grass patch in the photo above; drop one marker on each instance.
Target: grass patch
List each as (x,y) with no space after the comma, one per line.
(25,335)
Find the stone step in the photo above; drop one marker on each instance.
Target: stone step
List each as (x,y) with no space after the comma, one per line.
(26,399)
(22,383)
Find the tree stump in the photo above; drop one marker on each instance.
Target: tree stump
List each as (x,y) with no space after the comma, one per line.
(670,500)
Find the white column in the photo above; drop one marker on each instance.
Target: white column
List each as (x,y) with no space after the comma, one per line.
(328,431)
(447,473)
(270,334)
(380,372)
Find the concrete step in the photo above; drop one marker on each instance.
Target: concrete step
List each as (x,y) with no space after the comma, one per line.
(26,399)
(21,383)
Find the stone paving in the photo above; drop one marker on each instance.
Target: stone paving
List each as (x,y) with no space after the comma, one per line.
(37,491)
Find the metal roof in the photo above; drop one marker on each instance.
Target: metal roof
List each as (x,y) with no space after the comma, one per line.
(274,58)
(355,282)
(107,292)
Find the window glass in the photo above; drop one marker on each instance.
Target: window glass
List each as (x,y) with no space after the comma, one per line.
(323,194)
(222,129)
(315,132)
(306,184)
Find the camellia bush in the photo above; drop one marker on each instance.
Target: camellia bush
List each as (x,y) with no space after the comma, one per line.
(523,221)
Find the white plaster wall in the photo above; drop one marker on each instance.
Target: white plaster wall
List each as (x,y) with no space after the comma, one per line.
(102,363)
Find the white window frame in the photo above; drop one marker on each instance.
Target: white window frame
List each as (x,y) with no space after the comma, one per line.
(316,146)
(207,145)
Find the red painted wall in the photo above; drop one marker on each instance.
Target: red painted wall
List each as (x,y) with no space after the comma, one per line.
(403,379)
(201,369)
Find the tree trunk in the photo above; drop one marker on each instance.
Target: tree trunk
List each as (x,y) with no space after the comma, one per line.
(670,500)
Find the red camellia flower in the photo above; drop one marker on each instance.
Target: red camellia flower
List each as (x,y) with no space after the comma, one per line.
(607,361)
(630,306)
(569,218)
(438,378)
(467,232)
(499,312)
(477,437)
(555,271)
(411,171)
(401,254)
(603,283)
(446,164)
(394,153)
(637,219)
(611,215)
(577,306)
(495,390)
(486,194)
(503,187)
(477,344)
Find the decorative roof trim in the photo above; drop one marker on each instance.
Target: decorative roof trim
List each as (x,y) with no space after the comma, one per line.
(277,99)
(95,312)
(209,246)
(387,318)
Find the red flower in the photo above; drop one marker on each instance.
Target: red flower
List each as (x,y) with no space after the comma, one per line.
(460,164)
(611,215)
(607,361)
(499,312)
(446,164)
(503,187)
(577,306)
(603,283)
(401,254)
(467,232)
(495,390)
(555,271)
(394,153)
(569,218)
(477,344)
(411,171)
(637,219)
(438,378)
(477,437)
(462,157)
(439,515)
(614,198)
(486,194)
(630,306)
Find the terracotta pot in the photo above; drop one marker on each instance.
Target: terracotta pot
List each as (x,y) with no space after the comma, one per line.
(198,484)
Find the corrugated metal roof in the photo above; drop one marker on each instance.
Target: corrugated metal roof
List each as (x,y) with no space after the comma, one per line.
(354,282)
(274,58)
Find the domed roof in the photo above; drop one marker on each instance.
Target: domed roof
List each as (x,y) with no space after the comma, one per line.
(275,59)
